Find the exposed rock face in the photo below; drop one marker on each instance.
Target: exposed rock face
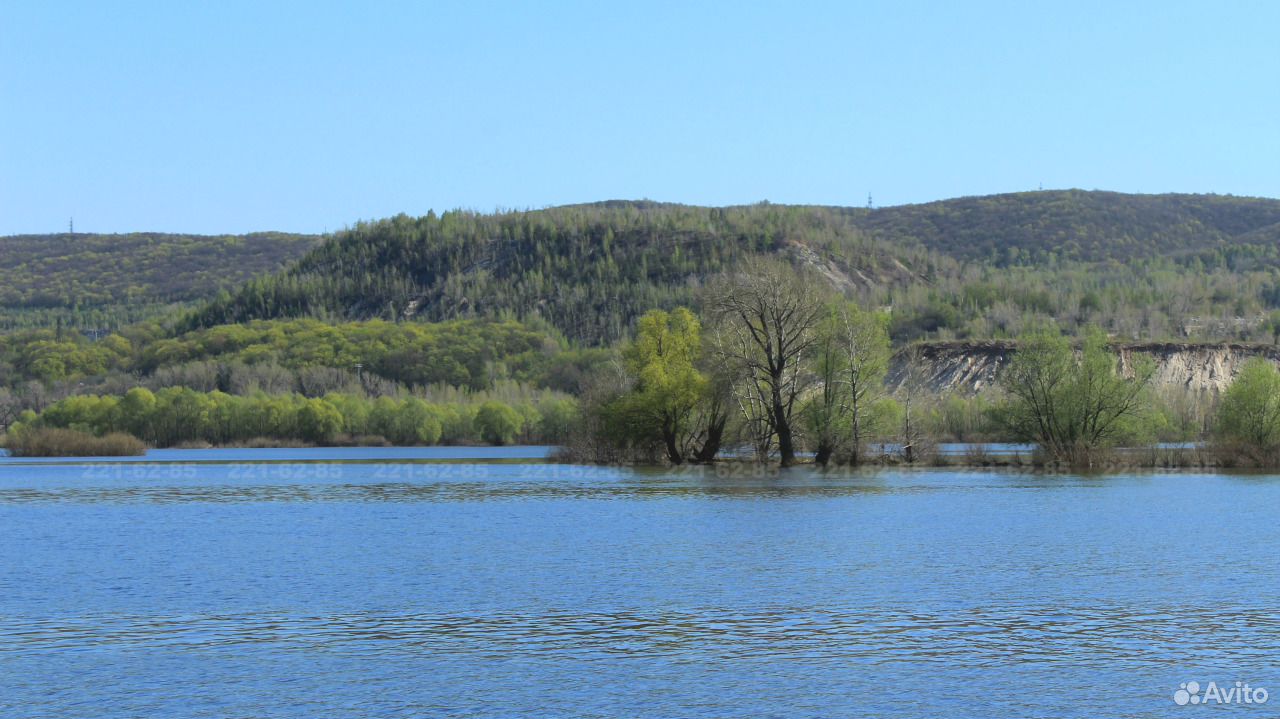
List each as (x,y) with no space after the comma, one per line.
(965,367)
(971,367)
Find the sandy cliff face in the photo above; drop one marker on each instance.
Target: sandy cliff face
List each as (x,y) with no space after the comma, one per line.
(971,367)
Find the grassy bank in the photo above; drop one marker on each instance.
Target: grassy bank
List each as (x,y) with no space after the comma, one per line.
(53,442)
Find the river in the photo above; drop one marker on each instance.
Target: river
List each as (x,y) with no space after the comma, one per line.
(488,583)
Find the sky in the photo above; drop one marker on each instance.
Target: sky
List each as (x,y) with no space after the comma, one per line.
(233,116)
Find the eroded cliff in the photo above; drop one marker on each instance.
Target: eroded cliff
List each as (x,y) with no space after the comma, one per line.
(971,367)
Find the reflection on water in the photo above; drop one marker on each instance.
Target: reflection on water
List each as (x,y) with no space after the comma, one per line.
(412,588)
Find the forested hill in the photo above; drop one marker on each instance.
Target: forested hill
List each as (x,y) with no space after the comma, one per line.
(112,279)
(587,269)
(1036,227)
(1154,266)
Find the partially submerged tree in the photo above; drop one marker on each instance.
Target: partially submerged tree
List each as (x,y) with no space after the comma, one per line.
(1073,405)
(765,315)
(662,402)
(914,440)
(668,389)
(1248,422)
(850,360)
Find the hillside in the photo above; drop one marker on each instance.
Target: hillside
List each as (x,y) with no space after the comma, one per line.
(1171,267)
(1040,227)
(111,279)
(588,269)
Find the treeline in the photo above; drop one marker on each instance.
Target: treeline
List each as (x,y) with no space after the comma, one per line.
(178,416)
(303,355)
(780,367)
(776,366)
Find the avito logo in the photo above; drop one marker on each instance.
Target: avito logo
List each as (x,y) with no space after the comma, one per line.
(1238,693)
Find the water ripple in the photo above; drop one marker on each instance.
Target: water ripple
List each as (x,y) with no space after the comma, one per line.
(989,637)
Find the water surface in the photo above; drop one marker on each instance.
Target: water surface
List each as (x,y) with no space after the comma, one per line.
(411,587)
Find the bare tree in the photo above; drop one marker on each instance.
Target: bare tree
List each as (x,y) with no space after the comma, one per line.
(849,359)
(865,340)
(749,395)
(765,315)
(10,406)
(912,395)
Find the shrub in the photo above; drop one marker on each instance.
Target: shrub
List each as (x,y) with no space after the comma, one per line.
(498,423)
(1248,421)
(51,442)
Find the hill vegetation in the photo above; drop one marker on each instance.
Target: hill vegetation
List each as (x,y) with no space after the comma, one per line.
(95,281)
(588,270)
(303,355)
(505,327)
(1149,267)
(1050,227)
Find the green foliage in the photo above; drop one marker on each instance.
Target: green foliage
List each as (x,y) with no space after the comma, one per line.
(41,356)
(416,423)
(668,385)
(497,423)
(1152,266)
(588,270)
(850,358)
(559,417)
(1248,420)
(959,418)
(318,421)
(1073,406)
(177,414)
(463,353)
(307,356)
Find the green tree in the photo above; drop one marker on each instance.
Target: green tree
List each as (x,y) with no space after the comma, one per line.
(1248,420)
(559,415)
(850,360)
(497,423)
(416,423)
(319,421)
(668,385)
(133,413)
(1072,406)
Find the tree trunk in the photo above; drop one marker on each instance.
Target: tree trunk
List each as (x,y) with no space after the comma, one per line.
(711,446)
(823,454)
(673,448)
(855,450)
(786,448)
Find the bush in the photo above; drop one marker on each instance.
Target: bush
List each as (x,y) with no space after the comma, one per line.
(178,415)
(1248,421)
(497,423)
(1075,408)
(50,442)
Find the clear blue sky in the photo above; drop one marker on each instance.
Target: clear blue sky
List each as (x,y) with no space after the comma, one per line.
(235,116)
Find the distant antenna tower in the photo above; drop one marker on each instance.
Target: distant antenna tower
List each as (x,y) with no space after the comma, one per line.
(869,205)
(71,226)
